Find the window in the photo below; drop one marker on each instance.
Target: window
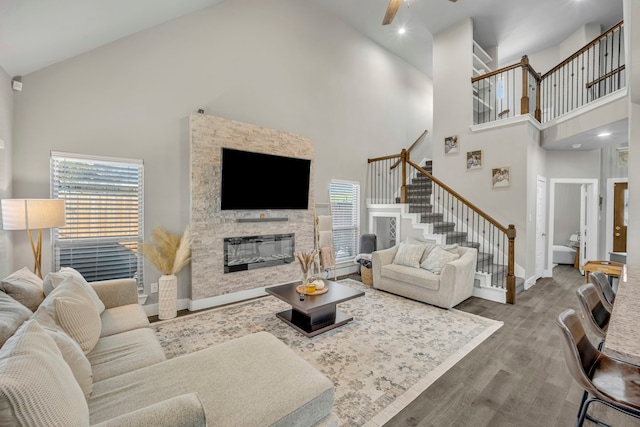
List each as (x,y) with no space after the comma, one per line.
(345,209)
(104,215)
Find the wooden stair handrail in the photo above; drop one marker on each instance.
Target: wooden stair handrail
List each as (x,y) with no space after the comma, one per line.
(395,165)
(584,49)
(495,72)
(505,69)
(510,231)
(377,159)
(462,199)
(422,135)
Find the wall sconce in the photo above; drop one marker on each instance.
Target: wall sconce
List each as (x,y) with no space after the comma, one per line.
(33,214)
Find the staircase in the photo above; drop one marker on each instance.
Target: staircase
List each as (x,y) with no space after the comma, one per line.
(443,215)
(419,196)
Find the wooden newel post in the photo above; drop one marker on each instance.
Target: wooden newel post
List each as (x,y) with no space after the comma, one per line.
(538,112)
(511,277)
(403,190)
(524,101)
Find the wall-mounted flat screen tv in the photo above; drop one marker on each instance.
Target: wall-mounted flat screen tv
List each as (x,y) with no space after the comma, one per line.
(263,181)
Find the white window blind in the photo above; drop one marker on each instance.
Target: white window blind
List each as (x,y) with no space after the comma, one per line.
(345,210)
(104,215)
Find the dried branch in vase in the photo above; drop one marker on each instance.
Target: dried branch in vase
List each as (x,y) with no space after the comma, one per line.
(168,252)
(305,259)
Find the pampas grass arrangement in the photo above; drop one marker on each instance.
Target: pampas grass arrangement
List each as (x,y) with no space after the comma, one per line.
(169,252)
(305,259)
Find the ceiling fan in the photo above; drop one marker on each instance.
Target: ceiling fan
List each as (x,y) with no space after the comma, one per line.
(393,7)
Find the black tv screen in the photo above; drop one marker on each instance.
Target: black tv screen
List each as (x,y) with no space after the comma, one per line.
(263,181)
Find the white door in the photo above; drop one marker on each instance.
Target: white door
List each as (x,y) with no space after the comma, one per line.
(541,225)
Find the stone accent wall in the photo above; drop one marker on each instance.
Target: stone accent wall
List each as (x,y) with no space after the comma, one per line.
(210,225)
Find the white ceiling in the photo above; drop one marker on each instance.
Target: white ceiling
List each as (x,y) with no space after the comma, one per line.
(37,33)
(613,134)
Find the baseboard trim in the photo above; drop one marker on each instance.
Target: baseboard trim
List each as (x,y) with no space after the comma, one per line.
(491,294)
(153,310)
(529,282)
(200,304)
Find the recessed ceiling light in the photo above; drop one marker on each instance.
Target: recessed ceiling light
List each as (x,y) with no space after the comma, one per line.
(402,30)
(576,145)
(603,134)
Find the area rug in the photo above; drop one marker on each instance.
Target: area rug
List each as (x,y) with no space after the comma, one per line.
(381,361)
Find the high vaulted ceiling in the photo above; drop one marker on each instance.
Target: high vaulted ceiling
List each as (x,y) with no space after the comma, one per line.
(38,33)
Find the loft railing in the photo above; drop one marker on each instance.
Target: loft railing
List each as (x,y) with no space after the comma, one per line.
(507,92)
(448,213)
(595,70)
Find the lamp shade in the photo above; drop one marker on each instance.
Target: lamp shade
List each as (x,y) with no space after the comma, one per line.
(32,214)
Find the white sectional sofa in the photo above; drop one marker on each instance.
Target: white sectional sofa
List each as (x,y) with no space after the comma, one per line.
(425,276)
(124,378)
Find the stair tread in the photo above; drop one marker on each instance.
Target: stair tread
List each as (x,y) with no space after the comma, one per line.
(456,233)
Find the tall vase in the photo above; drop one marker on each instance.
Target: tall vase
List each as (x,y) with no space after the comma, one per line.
(167,297)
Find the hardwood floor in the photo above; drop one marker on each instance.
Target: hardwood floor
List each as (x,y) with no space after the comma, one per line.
(518,376)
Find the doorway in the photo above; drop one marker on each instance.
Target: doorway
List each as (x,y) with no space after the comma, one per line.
(587,204)
(617,188)
(620,203)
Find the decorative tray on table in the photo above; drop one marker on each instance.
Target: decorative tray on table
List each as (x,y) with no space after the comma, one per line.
(302,290)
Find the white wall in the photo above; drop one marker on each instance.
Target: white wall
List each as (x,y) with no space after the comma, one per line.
(6,136)
(573,164)
(544,60)
(535,165)
(567,212)
(515,145)
(281,64)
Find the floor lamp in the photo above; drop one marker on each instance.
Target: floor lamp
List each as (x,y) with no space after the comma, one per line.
(33,214)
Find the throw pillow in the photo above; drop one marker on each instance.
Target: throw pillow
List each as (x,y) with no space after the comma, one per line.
(437,259)
(37,387)
(73,309)
(24,287)
(428,246)
(12,315)
(75,358)
(44,318)
(453,248)
(79,322)
(408,255)
(52,280)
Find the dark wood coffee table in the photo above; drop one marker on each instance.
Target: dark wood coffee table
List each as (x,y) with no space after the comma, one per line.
(317,313)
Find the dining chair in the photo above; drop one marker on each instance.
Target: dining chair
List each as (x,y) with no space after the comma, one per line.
(594,310)
(612,382)
(607,295)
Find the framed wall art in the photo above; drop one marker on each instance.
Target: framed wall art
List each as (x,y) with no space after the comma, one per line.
(501,177)
(474,160)
(451,145)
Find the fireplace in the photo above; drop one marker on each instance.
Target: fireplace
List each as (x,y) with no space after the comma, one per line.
(251,252)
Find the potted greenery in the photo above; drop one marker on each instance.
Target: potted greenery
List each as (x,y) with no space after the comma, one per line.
(169,253)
